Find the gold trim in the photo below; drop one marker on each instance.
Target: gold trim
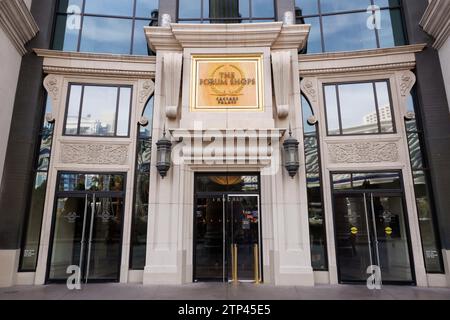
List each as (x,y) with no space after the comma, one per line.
(256,58)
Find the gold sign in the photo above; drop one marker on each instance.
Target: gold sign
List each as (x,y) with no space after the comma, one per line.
(224,83)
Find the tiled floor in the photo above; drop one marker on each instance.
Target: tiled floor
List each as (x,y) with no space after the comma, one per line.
(208,291)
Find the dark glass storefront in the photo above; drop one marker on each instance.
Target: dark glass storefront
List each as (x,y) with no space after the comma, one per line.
(227,228)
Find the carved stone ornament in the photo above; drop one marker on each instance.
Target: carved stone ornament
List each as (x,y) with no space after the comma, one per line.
(52,83)
(363,152)
(407,81)
(282,81)
(146,89)
(172,63)
(308,88)
(94,154)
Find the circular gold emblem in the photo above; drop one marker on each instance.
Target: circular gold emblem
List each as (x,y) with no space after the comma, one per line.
(231,80)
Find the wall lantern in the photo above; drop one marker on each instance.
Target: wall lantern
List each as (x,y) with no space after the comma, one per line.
(291,161)
(163,155)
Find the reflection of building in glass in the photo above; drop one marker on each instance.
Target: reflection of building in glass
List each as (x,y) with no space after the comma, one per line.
(385,115)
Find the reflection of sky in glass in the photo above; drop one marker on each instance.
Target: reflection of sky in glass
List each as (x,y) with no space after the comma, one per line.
(307,6)
(99,107)
(348,32)
(356,101)
(314,40)
(106,35)
(124,111)
(262,8)
(65,38)
(244,7)
(144,8)
(189,8)
(140,41)
(329,6)
(110,7)
(332,109)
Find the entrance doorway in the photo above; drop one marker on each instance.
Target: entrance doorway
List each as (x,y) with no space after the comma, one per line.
(371,227)
(87,227)
(227,230)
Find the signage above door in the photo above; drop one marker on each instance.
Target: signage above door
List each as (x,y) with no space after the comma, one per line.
(227,83)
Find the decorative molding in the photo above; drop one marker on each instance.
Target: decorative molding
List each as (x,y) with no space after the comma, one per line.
(146,89)
(172,63)
(363,152)
(309,88)
(406,81)
(95,154)
(386,67)
(111,73)
(282,81)
(52,84)
(275,35)
(18,23)
(436,21)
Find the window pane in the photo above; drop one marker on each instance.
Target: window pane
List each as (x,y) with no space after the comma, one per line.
(384,107)
(63,5)
(329,6)
(106,35)
(357,105)
(377,180)
(66,33)
(347,32)
(411,125)
(145,132)
(342,181)
(429,239)
(123,116)
(307,113)
(387,3)
(311,155)
(73,110)
(45,150)
(391,33)
(244,8)
(415,151)
(110,7)
(140,41)
(189,9)
(306,7)
(33,228)
(99,111)
(332,110)
(263,8)
(314,44)
(144,8)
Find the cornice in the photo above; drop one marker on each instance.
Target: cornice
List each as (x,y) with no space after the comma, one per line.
(275,35)
(18,23)
(393,59)
(94,64)
(436,21)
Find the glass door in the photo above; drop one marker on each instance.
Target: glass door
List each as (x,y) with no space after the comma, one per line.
(371,230)
(227,238)
(87,227)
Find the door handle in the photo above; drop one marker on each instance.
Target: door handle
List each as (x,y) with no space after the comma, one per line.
(234,253)
(256,263)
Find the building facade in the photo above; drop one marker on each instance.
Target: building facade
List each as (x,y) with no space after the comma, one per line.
(285,142)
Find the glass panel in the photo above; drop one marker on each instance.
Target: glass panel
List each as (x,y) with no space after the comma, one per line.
(387,3)
(352,237)
(311,154)
(342,181)
(73,110)
(226,183)
(67,29)
(45,149)
(63,5)
(428,234)
(140,41)
(377,180)
(263,9)
(123,117)
(104,261)
(337,28)
(98,115)
(69,218)
(308,129)
(329,6)
(110,7)
(244,8)
(106,35)
(244,234)
(415,151)
(91,182)
(392,235)
(306,7)
(384,107)
(332,110)
(358,111)
(189,9)
(144,8)
(391,33)
(314,44)
(33,228)
(148,114)
(316,222)
(209,263)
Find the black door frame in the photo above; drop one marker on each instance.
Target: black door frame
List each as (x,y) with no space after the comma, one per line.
(82,194)
(379,192)
(211,194)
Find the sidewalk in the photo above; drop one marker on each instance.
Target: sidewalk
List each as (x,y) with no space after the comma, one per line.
(208,291)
